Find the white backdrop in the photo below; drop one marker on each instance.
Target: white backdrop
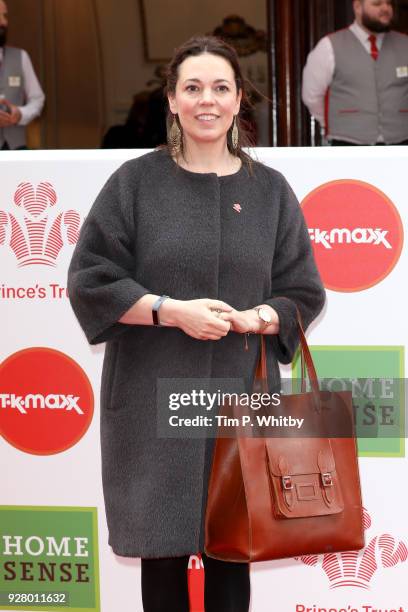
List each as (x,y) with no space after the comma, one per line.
(375,316)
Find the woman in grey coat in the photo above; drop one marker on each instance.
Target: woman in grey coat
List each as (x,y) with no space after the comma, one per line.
(185,252)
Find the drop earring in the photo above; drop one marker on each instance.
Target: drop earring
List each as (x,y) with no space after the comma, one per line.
(175,137)
(235,135)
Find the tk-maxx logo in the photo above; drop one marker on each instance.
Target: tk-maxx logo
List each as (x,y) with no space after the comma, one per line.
(343,235)
(52,401)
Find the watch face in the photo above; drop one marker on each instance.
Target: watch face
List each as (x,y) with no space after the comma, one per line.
(265,315)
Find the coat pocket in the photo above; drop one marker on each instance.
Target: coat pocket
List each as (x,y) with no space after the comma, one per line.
(108,376)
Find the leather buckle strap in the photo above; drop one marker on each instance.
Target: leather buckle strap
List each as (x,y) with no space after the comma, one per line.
(287,483)
(327,479)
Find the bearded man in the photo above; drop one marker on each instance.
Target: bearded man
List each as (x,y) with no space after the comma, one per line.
(355,82)
(21,96)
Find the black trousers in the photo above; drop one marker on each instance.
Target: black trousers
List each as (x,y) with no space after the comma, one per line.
(165,587)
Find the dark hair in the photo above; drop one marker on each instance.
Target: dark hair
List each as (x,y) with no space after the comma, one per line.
(197,45)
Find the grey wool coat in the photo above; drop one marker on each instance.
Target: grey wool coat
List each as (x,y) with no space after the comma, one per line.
(157,228)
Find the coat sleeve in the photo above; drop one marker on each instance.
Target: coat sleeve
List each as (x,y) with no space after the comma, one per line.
(295,279)
(101,286)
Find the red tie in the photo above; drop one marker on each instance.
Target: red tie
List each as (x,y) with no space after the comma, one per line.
(374,48)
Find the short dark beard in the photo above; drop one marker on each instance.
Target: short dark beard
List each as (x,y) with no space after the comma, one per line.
(3,36)
(375,26)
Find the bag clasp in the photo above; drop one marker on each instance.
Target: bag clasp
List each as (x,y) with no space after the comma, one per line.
(287,483)
(327,479)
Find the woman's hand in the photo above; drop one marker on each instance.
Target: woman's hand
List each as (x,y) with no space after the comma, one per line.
(200,319)
(248,321)
(242,321)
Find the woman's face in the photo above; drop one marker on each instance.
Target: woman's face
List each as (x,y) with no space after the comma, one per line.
(206,97)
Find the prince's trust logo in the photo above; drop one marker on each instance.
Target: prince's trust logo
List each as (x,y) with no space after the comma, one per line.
(34,237)
(357,568)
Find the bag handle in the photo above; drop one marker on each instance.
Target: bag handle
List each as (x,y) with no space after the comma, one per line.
(307,364)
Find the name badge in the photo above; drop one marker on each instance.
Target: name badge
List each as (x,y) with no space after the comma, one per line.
(15,81)
(402,71)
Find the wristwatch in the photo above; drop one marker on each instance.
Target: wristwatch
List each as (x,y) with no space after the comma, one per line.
(155,309)
(264,315)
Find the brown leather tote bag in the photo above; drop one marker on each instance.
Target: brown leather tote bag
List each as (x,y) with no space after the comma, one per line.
(287,494)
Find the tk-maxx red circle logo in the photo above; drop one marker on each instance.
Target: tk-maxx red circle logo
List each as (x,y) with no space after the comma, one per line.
(356,232)
(46,401)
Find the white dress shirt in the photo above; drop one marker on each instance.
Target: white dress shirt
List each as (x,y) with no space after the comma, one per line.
(34,95)
(319,70)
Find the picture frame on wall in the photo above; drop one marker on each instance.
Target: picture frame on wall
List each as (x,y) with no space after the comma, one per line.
(165,26)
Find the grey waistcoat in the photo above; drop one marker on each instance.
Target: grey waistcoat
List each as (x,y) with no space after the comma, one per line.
(12,87)
(156,228)
(367,98)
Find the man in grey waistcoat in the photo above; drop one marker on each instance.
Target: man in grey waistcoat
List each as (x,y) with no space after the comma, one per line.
(21,96)
(355,82)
